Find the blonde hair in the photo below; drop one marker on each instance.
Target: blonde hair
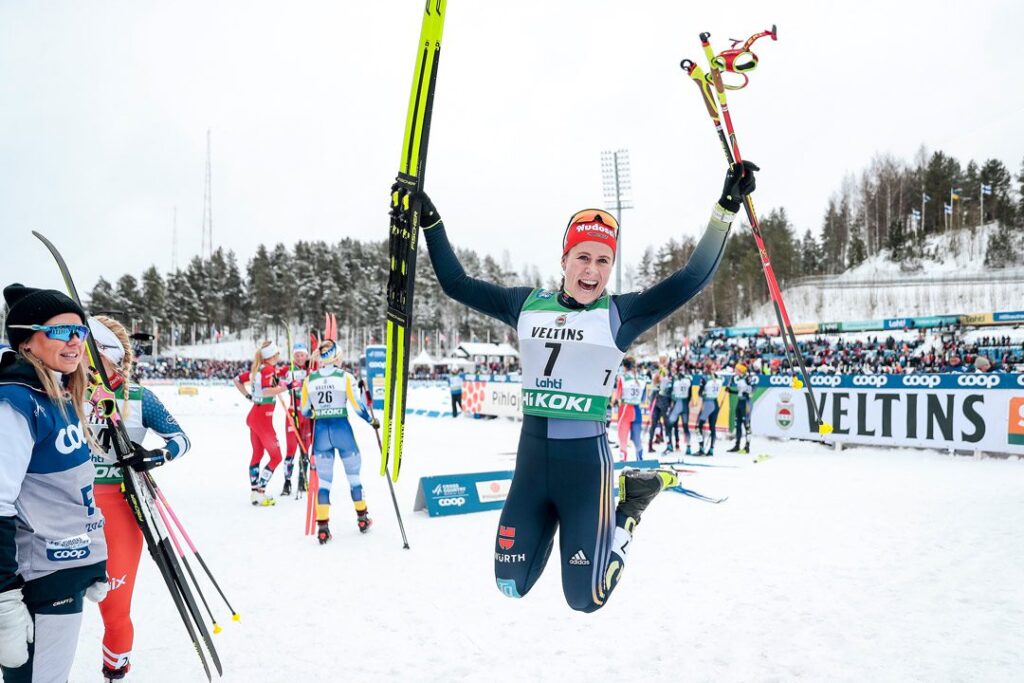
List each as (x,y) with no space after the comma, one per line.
(128,362)
(258,360)
(75,391)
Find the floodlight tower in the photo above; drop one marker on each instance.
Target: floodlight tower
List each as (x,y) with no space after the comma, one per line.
(617,196)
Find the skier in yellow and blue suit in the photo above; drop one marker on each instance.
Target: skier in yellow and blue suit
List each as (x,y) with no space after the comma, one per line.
(326,395)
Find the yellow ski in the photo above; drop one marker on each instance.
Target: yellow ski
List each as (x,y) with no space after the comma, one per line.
(404,234)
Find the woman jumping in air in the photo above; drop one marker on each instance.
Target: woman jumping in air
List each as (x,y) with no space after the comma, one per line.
(571,342)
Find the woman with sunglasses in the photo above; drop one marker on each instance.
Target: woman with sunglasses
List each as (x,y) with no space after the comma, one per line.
(141,411)
(326,395)
(571,342)
(264,385)
(52,549)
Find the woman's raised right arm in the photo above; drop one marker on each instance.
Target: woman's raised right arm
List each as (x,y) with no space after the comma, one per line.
(502,303)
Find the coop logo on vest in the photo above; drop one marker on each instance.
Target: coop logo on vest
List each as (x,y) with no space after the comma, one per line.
(69,440)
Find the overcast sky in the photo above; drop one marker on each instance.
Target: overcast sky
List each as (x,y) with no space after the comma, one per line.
(104,108)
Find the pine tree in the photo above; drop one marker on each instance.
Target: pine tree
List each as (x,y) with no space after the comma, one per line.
(262,290)
(995,173)
(154,299)
(810,255)
(233,300)
(102,297)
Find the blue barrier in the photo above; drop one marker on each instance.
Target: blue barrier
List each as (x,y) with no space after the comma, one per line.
(461,493)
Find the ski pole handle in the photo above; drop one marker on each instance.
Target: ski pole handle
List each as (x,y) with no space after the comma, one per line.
(698,76)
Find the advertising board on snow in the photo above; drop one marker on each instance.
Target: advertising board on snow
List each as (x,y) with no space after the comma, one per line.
(973,412)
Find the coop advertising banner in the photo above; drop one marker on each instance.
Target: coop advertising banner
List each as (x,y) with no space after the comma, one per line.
(375,366)
(971,411)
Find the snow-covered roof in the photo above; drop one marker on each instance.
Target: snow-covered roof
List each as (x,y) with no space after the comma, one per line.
(485,349)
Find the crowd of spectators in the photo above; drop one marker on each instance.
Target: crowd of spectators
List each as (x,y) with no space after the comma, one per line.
(903,353)
(923,351)
(195,369)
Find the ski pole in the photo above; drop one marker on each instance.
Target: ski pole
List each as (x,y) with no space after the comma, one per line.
(195,551)
(391,487)
(730,147)
(161,510)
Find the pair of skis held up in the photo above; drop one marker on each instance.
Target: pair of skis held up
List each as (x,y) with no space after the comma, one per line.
(153,513)
(404,235)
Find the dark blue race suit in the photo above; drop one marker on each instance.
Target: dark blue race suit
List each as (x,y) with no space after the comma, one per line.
(564,476)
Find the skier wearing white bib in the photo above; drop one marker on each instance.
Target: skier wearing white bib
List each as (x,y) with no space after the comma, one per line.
(571,343)
(326,395)
(710,387)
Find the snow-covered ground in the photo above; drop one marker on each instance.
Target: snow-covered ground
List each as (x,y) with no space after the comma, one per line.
(870,564)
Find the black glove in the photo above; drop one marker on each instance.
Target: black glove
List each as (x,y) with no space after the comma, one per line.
(739,182)
(428,214)
(143,460)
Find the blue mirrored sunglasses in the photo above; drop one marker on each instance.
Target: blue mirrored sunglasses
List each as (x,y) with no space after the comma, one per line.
(58,332)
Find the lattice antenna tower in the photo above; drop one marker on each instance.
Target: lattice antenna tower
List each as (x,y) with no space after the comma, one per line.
(174,241)
(207,246)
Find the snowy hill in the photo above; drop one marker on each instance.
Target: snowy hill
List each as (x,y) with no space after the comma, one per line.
(950,278)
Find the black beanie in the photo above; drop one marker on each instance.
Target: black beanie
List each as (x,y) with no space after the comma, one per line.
(31,306)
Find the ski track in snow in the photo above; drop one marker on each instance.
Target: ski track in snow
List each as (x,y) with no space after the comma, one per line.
(870,564)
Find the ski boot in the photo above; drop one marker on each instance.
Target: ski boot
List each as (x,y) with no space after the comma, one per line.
(669,449)
(259,498)
(637,488)
(711,451)
(689,451)
(364,521)
(323,532)
(287,490)
(114,675)
(746,448)
(735,448)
